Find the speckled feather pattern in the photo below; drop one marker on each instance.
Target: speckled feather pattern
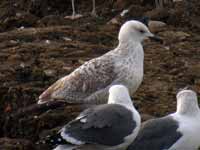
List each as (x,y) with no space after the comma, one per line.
(90,82)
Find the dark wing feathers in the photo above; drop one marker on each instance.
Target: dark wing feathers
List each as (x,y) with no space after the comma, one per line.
(105,117)
(157,134)
(86,112)
(105,125)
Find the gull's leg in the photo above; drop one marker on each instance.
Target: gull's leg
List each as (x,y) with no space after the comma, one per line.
(73,9)
(74,15)
(93,13)
(170,2)
(157,4)
(188,7)
(161,3)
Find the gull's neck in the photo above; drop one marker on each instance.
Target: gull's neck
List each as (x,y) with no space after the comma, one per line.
(128,47)
(187,104)
(123,99)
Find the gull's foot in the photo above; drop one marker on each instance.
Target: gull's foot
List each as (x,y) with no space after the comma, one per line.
(74,17)
(94,14)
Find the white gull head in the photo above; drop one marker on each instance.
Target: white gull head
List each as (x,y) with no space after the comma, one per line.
(118,94)
(134,31)
(187,103)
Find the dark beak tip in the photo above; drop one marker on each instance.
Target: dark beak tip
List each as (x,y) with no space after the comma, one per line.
(157,39)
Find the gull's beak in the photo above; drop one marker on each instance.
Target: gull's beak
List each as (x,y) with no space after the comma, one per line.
(155,38)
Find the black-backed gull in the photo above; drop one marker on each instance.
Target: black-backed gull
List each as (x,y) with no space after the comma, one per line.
(177,131)
(110,126)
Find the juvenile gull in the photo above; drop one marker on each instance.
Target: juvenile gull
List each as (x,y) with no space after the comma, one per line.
(177,131)
(110,126)
(77,16)
(90,82)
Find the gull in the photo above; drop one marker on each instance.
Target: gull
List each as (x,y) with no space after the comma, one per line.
(77,16)
(111,126)
(90,82)
(177,131)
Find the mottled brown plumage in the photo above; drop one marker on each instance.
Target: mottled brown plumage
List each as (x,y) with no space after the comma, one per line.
(90,82)
(92,77)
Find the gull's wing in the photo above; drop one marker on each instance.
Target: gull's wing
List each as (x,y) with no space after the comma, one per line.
(157,134)
(93,77)
(103,124)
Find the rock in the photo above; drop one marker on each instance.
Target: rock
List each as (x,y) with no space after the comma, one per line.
(197,81)
(182,35)
(50,73)
(124,12)
(195,71)
(156,26)
(14,42)
(48,42)
(115,21)
(157,14)
(175,36)
(67,39)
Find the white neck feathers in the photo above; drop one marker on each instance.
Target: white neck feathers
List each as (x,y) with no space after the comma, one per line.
(187,103)
(118,94)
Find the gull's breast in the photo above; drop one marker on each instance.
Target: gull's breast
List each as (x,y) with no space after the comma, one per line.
(130,73)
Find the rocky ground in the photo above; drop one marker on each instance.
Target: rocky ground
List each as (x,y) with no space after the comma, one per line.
(38,46)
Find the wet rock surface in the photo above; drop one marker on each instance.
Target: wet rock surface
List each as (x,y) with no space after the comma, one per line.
(38,46)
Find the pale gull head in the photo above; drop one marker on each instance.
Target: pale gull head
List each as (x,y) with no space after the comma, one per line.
(187,102)
(135,31)
(118,94)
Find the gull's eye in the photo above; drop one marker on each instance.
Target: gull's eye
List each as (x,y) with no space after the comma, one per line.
(141,31)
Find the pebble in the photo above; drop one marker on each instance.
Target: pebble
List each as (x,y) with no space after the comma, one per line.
(182,35)
(124,12)
(156,26)
(47,41)
(114,21)
(175,36)
(21,28)
(14,41)
(50,72)
(67,39)
(197,81)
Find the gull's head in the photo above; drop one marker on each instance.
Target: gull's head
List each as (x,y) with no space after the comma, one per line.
(119,94)
(187,102)
(135,31)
